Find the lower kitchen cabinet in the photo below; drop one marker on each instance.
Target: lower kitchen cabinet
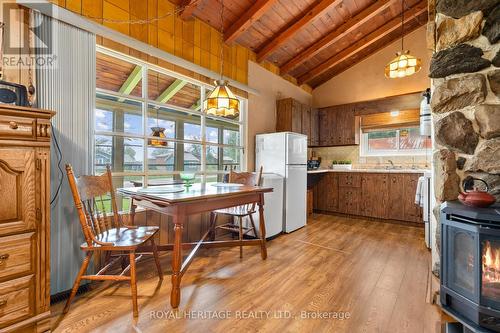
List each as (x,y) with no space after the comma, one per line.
(412,212)
(396,192)
(374,195)
(379,195)
(349,200)
(328,193)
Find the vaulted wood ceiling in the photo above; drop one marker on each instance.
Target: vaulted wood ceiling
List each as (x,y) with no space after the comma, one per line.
(311,40)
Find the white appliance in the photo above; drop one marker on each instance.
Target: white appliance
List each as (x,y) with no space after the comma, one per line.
(285,154)
(423,198)
(273,205)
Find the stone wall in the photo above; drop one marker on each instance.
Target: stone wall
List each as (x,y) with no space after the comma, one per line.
(466,97)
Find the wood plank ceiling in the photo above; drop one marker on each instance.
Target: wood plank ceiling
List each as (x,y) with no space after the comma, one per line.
(310,40)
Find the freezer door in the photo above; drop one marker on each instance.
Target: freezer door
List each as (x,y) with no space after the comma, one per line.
(296,149)
(270,151)
(295,197)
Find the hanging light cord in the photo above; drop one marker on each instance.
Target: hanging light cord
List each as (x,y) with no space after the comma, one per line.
(402,25)
(221,39)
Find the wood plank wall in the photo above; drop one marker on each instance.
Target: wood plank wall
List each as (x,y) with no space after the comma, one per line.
(192,40)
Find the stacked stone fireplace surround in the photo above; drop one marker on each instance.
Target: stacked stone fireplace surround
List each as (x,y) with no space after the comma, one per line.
(465,73)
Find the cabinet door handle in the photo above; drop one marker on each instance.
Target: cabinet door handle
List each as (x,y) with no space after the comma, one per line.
(3,258)
(3,302)
(13,125)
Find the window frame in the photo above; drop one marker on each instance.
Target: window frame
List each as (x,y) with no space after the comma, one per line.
(364,147)
(146,103)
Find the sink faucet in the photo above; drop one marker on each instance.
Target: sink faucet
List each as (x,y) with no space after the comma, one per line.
(392,163)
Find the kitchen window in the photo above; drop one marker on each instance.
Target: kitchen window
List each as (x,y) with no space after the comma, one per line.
(394,133)
(393,142)
(131,97)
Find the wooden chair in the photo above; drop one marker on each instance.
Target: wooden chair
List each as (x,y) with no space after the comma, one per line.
(105,232)
(238,212)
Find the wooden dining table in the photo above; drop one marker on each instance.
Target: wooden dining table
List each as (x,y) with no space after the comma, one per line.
(200,198)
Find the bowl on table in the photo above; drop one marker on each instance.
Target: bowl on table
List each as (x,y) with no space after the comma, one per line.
(188,178)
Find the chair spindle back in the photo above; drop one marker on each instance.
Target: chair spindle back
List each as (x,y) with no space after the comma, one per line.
(95,201)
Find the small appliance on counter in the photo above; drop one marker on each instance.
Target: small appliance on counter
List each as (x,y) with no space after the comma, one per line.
(314,162)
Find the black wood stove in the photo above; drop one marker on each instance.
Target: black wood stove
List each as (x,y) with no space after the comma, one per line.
(470,265)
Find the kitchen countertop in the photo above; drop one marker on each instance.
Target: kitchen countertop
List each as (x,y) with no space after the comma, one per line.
(324,170)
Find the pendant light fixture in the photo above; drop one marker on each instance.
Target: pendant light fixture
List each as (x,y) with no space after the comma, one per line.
(404,64)
(221,101)
(157,132)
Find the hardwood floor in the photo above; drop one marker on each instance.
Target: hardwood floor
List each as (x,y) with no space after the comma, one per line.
(376,273)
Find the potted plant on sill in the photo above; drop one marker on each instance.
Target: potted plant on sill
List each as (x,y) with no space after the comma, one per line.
(342,165)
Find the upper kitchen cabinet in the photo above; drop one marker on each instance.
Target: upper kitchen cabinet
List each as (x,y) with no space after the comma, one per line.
(293,116)
(338,126)
(288,116)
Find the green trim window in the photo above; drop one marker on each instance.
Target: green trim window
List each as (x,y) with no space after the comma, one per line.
(131,97)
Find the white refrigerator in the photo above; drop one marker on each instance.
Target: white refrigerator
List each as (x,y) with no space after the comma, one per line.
(285,154)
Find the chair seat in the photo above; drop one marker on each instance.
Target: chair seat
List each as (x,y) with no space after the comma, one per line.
(243,210)
(125,237)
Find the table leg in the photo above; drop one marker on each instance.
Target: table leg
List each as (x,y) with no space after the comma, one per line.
(262,224)
(175,294)
(132,212)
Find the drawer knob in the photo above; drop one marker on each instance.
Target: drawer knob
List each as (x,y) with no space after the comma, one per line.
(13,125)
(3,258)
(3,302)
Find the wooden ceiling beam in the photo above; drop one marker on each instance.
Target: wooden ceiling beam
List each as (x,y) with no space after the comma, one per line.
(171,90)
(337,34)
(296,25)
(363,57)
(364,42)
(187,9)
(247,19)
(131,82)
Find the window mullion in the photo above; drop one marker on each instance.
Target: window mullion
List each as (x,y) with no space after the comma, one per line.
(145,95)
(203,138)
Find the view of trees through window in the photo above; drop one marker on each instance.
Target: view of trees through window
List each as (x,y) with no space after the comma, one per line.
(127,111)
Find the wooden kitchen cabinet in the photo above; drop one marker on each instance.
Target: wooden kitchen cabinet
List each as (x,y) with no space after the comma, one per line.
(396,192)
(292,116)
(375,193)
(306,122)
(387,196)
(412,211)
(314,127)
(338,126)
(328,193)
(288,116)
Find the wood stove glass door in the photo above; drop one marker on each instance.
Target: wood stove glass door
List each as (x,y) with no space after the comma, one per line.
(490,269)
(463,262)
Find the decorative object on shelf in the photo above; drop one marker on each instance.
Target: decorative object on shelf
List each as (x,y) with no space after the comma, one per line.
(221,101)
(13,94)
(342,165)
(188,178)
(473,196)
(404,64)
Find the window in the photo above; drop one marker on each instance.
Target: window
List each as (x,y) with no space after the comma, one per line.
(131,98)
(402,141)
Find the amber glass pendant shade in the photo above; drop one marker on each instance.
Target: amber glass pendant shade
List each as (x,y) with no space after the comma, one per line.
(157,132)
(222,102)
(403,65)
